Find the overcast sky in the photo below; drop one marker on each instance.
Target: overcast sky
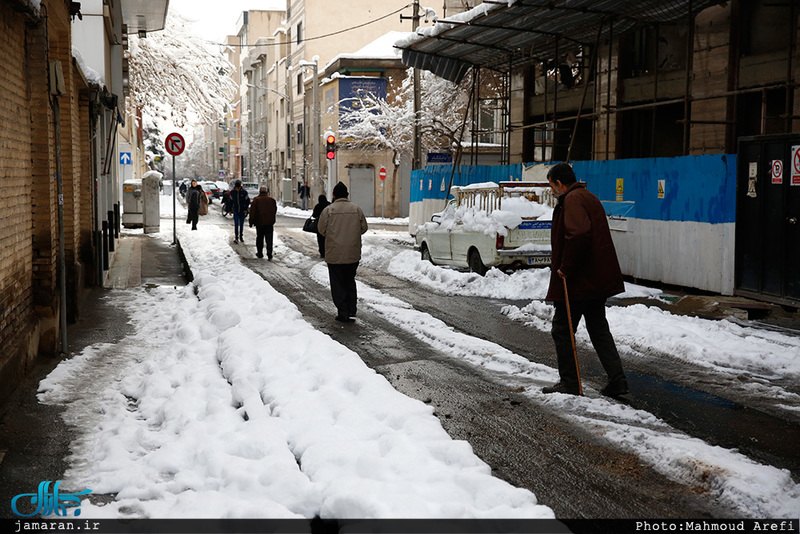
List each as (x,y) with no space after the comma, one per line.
(214,19)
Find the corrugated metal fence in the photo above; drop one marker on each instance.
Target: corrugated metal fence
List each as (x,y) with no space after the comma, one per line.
(672,218)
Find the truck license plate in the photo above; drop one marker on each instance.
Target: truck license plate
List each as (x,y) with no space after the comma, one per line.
(538,260)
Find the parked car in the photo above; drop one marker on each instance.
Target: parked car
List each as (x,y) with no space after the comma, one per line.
(251,188)
(491,225)
(221,188)
(211,190)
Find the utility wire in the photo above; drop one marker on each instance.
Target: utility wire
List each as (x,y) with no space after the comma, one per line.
(319,36)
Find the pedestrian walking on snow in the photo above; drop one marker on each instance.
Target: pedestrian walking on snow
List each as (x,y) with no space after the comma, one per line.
(196,202)
(238,204)
(342,224)
(305,193)
(263,210)
(584,256)
(322,203)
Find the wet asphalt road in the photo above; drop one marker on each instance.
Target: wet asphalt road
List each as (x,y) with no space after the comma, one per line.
(568,469)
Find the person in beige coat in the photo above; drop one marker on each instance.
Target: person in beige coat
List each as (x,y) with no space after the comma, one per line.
(342,223)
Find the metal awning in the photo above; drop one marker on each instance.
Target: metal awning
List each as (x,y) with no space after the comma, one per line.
(502,34)
(144,15)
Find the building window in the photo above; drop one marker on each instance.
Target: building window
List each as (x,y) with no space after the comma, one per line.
(755,18)
(299,33)
(491,121)
(652,133)
(300,134)
(653,48)
(299,84)
(543,143)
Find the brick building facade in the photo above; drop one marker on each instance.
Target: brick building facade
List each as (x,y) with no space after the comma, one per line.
(30,261)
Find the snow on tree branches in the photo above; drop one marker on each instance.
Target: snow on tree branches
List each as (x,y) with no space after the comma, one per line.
(379,124)
(178,76)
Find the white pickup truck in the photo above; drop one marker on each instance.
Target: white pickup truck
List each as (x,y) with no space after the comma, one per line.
(491,225)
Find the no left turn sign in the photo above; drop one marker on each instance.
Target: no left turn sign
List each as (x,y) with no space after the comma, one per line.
(175,144)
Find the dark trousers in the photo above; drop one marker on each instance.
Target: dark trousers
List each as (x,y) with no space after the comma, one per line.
(264,233)
(321,244)
(343,287)
(238,223)
(594,312)
(194,215)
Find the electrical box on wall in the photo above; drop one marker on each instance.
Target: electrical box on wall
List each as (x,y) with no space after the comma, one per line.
(56,78)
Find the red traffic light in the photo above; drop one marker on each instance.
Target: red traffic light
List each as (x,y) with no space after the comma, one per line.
(330,149)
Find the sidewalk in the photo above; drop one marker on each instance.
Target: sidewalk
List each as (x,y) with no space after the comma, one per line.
(145,261)
(34,439)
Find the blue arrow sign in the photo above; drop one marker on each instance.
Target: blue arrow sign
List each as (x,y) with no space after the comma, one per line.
(124,158)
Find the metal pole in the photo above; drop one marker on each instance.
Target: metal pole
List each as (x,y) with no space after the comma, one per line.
(787,127)
(417,162)
(62,270)
(174,204)
(608,88)
(316,111)
(585,89)
(329,189)
(556,78)
(688,82)
(654,114)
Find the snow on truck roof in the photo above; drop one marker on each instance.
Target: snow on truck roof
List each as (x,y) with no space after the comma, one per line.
(489,196)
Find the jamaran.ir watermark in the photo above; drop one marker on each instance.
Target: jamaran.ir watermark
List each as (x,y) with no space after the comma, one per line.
(46,502)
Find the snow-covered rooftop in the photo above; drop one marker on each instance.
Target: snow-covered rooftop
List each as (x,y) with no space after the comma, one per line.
(381,48)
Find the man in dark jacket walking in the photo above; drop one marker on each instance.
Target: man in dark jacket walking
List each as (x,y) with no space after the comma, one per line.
(342,224)
(262,215)
(584,255)
(194,198)
(238,203)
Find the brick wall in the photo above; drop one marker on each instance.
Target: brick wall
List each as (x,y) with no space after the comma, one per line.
(43,187)
(29,264)
(16,267)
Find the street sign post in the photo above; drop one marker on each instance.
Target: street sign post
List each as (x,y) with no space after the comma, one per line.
(382,175)
(174,145)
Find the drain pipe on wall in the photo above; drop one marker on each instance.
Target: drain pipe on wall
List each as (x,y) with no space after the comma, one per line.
(56,87)
(62,267)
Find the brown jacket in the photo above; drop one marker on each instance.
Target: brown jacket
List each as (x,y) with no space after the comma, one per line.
(342,224)
(203,203)
(582,249)
(263,209)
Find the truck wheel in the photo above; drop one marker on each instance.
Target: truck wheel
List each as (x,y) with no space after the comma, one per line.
(475,263)
(425,253)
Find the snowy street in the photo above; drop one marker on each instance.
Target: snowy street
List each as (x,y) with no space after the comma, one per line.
(238,396)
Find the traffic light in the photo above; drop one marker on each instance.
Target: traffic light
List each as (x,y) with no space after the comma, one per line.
(330,148)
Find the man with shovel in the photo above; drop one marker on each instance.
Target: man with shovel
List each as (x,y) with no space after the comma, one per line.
(584,273)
